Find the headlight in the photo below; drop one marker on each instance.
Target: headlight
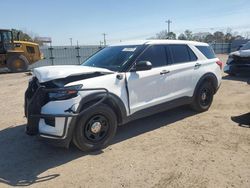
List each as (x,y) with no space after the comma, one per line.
(68,93)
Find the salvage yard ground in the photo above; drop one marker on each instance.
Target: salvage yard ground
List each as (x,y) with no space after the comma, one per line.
(176,148)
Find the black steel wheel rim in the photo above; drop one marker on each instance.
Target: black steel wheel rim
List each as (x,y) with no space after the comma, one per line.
(100,135)
(205,97)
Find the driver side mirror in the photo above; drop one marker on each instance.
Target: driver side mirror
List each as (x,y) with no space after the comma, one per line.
(142,66)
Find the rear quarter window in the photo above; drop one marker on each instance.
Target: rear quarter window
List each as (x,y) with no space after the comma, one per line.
(207,51)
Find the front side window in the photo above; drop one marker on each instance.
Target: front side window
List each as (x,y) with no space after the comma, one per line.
(182,53)
(113,58)
(7,38)
(155,55)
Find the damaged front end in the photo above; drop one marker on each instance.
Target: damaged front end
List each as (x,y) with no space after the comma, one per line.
(52,109)
(237,65)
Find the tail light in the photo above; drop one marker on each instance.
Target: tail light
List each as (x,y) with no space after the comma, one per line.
(220,63)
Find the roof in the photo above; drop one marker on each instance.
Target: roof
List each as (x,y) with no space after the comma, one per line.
(141,42)
(5,29)
(25,42)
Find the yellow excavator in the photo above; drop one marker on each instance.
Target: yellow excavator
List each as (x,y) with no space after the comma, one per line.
(17,55)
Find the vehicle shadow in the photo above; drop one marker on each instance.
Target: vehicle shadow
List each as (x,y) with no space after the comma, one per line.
(24,158)
(242,78)
(242,120)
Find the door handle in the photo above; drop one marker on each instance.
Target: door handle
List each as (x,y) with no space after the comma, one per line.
(197,65)
(164,72)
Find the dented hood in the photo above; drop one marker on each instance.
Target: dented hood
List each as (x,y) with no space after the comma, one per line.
(241,53)
(48,73)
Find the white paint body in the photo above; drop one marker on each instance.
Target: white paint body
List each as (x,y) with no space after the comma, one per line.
(146,88)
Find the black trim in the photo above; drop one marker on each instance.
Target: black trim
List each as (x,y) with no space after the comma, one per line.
(127,92)
(92,98)
(159,108)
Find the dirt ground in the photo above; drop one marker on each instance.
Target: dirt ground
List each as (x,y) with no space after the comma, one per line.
(176,148)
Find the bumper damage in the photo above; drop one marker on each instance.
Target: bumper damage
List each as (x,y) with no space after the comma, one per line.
(237,65)
(53,121)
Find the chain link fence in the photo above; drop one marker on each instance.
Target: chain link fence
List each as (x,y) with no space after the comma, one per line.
(221,48)
(75,55)
(65,55)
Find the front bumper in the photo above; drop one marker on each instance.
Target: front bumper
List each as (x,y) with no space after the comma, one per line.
(53,121)
(237,69)
(237,65)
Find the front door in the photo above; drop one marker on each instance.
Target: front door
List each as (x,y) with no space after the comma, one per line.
(146,87)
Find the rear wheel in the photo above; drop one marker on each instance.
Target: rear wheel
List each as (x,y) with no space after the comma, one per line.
(17,63)
(95,128)
(203,97)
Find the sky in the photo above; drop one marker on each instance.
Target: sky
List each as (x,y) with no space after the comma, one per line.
(85,20)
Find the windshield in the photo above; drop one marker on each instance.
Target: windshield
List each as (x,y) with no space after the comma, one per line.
(7,38)
(246,46)
(112,58)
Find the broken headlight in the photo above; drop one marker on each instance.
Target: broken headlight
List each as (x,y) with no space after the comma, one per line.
(65,93)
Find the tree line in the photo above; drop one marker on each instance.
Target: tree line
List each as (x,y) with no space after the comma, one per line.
(216,37)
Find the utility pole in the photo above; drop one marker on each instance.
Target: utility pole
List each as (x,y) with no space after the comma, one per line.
(70,39)
(104,38)
(168,22)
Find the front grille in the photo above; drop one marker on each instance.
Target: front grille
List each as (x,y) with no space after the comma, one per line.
(34,100)
(33,86)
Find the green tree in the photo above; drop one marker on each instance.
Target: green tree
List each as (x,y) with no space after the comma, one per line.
(209,38)
(188,34)
(182,37)
(219,36)
(171,35)
(165,35)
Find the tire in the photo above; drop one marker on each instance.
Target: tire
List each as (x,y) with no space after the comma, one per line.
(17,63)
(203,97)
(101,118)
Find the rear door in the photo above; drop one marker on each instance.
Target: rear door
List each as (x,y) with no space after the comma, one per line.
(182,71)
(146,87)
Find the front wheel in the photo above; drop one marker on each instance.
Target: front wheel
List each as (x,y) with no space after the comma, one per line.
(203,98)
(95,128)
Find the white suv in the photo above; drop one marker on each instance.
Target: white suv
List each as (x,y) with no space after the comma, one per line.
(85,103)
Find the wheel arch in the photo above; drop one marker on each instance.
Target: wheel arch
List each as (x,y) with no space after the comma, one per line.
(208,77)
(112,101)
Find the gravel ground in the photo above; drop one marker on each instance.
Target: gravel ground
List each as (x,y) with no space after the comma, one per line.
(176,148)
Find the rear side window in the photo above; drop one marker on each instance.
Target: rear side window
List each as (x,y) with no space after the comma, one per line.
(156,55)
(182,53)
(207,51)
